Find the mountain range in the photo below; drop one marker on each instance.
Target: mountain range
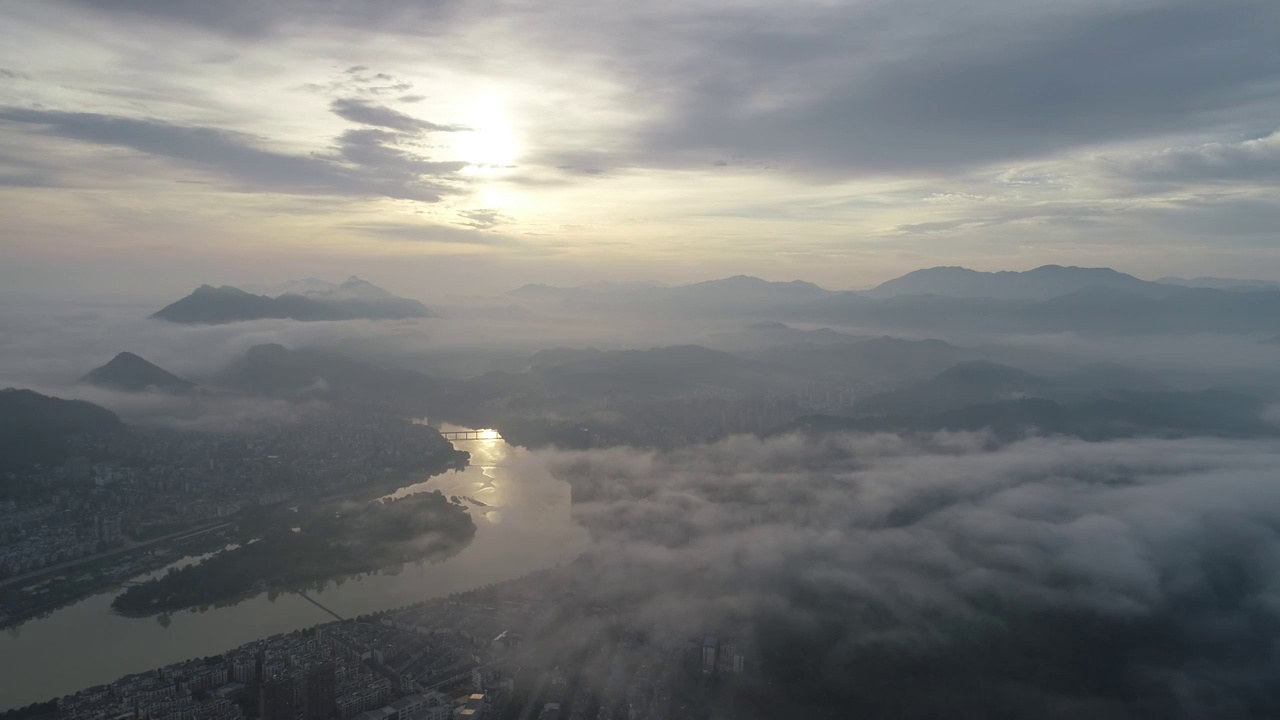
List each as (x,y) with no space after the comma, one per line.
(1118,414)
(273,370)
(1218,283)
(1092,310)
(738,294)
(956,300)
(354,299)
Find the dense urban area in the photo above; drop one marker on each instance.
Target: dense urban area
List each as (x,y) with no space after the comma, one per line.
(490,653)
(138,498)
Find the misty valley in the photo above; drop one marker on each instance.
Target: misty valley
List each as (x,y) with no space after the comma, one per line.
(1049,493)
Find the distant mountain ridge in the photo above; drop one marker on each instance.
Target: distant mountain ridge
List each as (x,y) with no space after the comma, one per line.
(354,299)
(1108,416)
(131,373)
(1218,283)
(1042,283)
(1094,310)
(737,294)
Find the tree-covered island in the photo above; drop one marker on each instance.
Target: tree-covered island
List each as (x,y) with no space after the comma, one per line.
(332,541)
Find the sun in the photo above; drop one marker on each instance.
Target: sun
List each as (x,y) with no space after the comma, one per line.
(489,143)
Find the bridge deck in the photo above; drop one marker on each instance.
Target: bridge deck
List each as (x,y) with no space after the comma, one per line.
(470,435)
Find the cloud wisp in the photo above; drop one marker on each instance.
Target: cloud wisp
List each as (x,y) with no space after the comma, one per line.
(379,160)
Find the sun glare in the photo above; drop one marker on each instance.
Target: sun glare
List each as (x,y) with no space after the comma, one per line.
(490,144)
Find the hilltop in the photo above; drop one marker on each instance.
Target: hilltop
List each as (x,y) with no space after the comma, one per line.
(132,373)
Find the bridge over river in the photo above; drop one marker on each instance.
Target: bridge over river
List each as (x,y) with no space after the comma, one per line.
(470,435)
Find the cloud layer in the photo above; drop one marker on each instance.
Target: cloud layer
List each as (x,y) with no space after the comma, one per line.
(1158,558)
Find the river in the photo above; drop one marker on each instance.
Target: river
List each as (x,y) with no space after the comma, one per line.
(525,525)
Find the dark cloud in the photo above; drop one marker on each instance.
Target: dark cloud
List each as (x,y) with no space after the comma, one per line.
(920,87)
(260,20)
(375,169)
(358,111)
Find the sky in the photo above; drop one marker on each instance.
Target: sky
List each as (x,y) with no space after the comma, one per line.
(467,147)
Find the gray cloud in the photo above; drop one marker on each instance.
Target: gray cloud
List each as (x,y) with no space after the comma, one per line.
(381,152)
(1004,214)
(358,111)
(484,219)
(236,156)
(1250,161)
(1234,217)
(430,233)
(15,172)
(865,89)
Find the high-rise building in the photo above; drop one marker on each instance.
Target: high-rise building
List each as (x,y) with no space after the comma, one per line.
(107,528)
(319,701)
(731,660)
(275,699)
(77,468)
(709,646)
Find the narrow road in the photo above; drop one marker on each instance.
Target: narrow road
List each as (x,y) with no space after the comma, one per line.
(53,569)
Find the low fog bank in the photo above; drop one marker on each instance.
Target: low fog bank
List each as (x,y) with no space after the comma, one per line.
(198,412)
(772,375)
(885,576)
(49,346)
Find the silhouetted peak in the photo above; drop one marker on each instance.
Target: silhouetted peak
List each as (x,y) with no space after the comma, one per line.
(133,373)
(267,350)
(220,290)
